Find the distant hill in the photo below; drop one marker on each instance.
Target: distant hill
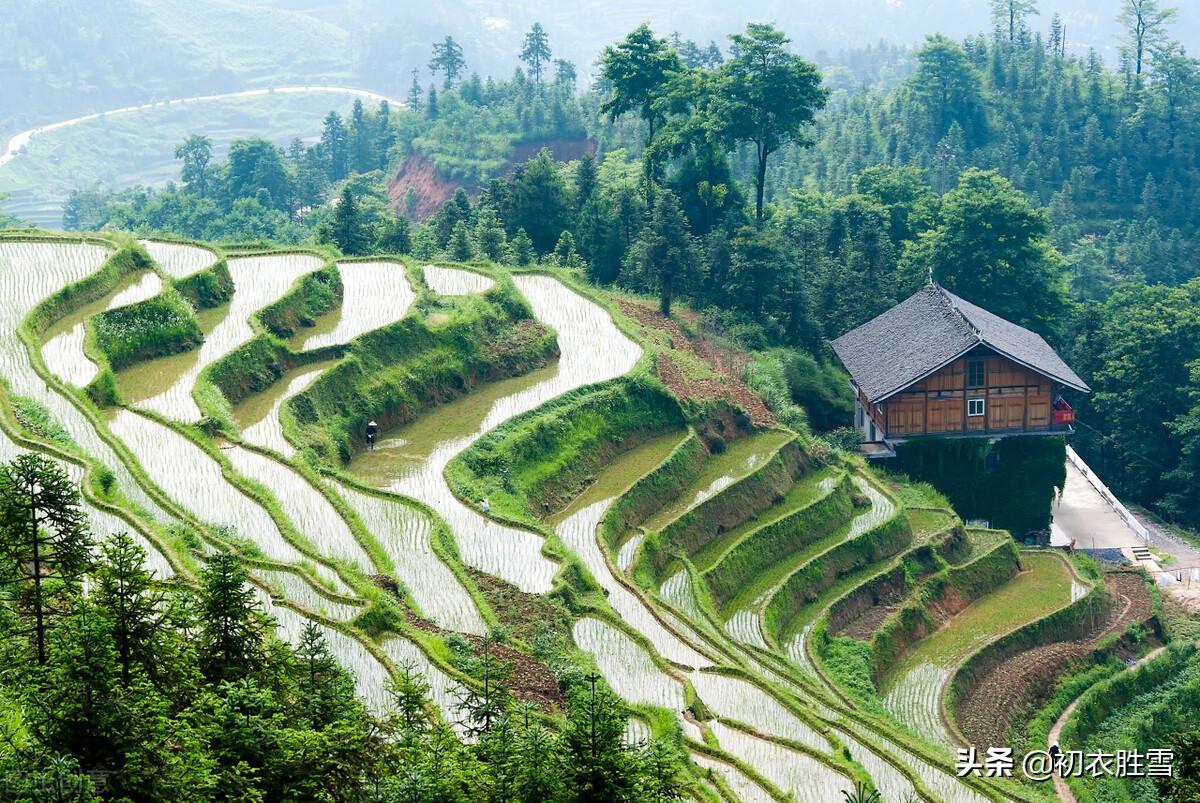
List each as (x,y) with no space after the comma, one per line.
(98,54)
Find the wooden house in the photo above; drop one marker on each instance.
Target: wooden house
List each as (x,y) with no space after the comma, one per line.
(937,365)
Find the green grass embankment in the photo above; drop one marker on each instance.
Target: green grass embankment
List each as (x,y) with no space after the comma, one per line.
(392,373)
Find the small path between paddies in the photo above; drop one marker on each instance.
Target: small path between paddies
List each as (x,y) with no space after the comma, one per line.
(411,460)
(1061,788)
(913,690)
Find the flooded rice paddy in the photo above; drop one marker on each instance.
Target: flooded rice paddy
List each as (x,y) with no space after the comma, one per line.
(177,259)
(374,294)
(258,281)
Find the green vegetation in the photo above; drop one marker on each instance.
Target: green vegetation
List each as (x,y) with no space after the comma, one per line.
(389,374)
(315,293)
(1136,709)
(235,709)
(164,324)
(207,288)
(33,416)
(545,457)
(1010,483)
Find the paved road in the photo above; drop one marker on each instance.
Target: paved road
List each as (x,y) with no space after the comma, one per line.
(1081,514)
(19,141)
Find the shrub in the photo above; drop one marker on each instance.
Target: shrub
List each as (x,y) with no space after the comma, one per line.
(151,328)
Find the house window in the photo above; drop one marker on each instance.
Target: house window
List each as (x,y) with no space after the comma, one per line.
(975,375)
(974,407)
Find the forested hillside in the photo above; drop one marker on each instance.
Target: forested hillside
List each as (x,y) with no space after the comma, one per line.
(1050,187)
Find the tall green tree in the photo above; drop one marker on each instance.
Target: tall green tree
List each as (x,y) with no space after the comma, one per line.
(637,70)
(665,255)
(231,638)
(196,153)
(947,88)
(1010,15)
(768,96)
(1145,23)
(125,592)
(535,51)
(335,142)
(991,249)
(44,541)
(347,229)
(448,60)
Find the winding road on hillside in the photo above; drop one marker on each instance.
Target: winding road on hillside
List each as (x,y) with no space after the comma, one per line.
(18,141)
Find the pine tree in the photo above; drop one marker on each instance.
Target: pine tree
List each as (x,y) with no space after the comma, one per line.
(335,144)
(125,591)
(231,639)
(460,242)
(490,240)
(44,541)
(536,50)
(448,60)
(522,248)
(346,229)
(415,94)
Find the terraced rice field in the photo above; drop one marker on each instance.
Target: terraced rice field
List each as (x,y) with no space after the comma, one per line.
(913,690)
(681,646)
(310,512)
(257,281)
(739,458)
(258,415)
(202,489)
(592,350)
(741,784)
(63,342)
(374,294)
(454,281)
(177,259)
(626,666)
(794,772)
(578,532)
(404,534)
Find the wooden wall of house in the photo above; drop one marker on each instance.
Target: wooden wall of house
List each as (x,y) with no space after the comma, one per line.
(1015,399)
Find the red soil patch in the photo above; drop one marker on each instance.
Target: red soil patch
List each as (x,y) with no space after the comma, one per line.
(431,187)
(727,364)
(1028,678)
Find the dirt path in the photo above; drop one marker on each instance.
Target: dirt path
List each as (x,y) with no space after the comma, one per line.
(1060,785)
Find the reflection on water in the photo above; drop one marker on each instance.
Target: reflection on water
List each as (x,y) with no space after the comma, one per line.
(62,347)
(29,272)
(258,415)
(257,281)
(177,260)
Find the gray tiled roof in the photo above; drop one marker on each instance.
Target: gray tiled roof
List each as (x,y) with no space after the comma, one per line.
(931,328)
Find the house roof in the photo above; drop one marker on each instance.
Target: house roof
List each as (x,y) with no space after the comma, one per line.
(930,329)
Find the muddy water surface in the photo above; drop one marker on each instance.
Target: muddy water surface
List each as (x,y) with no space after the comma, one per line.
(258,415)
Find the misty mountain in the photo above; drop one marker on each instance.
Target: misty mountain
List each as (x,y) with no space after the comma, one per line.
(59,58)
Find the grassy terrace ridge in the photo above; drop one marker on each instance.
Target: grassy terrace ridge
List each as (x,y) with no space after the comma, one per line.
(748,569)
(740,458)
(381,610)
(807,490)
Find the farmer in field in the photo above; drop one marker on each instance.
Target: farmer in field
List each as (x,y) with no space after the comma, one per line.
(485,505)
(372,431)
